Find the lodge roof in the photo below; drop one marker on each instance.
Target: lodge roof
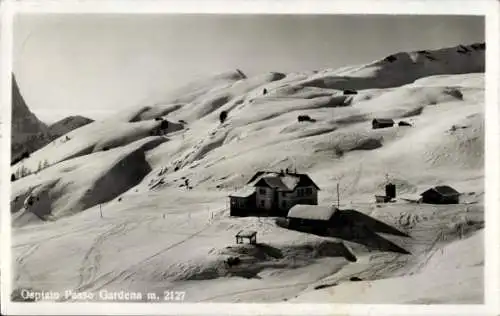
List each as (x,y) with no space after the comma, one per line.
(243,192)
(282,181)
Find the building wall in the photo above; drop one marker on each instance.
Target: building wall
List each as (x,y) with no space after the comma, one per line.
(292,198)
(381,125)
(301,195)
(453,199)
(241,206)
(264,197)
(432,197)
(308,225)
(239,202)
(285,200)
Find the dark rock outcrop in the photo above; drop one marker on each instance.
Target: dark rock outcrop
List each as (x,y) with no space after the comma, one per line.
(29,133)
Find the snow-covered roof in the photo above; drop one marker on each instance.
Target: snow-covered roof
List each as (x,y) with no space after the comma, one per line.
(314,212)
(244,192)
(246,233)
(290,181)
(410,196)
(275,182)
(285,181)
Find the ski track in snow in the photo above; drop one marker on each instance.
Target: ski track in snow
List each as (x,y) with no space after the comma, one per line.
(91,261)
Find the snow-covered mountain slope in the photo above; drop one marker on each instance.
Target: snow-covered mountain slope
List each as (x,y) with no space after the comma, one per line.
(457,266)
(66,125)
(113,205)
(405,67)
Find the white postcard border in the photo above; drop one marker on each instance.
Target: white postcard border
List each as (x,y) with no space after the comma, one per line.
(490,9)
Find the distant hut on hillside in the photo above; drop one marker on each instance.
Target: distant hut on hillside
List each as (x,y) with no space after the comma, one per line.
(441,194)
(390,194)
(350,91)
(305,118)
(382,123)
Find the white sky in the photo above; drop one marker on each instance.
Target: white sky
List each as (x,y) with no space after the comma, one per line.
(95,64)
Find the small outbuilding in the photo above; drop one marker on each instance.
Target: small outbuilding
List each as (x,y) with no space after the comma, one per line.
(311,216)
(382,199)
(441,194)
(350,92)
(382,123)
(305,118)
(390,194)
(242,201)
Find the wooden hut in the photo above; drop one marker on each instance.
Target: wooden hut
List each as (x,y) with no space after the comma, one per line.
(441,194)
(382,123)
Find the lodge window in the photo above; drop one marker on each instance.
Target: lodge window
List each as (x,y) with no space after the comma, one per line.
(262,203)
(309,191)
(262,191)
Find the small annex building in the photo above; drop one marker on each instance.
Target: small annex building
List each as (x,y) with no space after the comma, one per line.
(242,201)
(441,194)
(311,216)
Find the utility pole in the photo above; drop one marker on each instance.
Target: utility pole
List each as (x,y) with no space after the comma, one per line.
(100,209)
(338,195)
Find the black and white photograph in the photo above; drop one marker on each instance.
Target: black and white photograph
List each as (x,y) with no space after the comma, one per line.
(247,158)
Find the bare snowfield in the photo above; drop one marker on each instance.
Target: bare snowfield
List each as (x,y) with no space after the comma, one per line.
(154,235)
